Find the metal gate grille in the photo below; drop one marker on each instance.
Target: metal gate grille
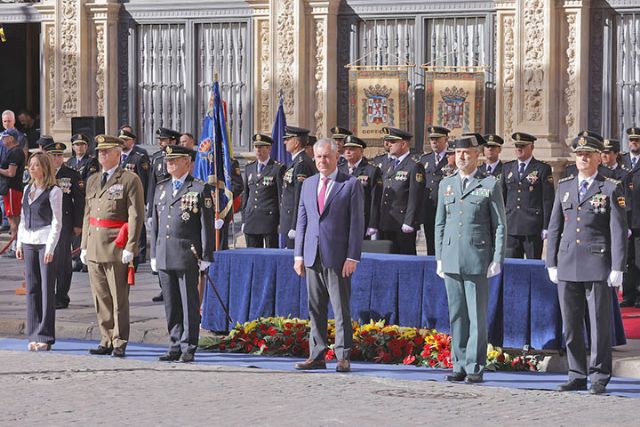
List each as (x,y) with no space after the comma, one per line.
(628,70)
(457,41)
(222,50)
(161,78)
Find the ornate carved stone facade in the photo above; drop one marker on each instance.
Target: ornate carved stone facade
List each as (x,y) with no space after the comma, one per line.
(533,67)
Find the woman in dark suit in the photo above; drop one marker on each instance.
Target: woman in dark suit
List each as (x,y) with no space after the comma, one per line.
(38,234)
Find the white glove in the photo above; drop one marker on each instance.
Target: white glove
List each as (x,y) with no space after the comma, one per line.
(615,279)
(127,256)
(544,235)
(291,234)
(439,271)
(407,229)
(493,270)
(203,265)
(153,265)
(149,223)
(553,274)
(219,223)
(629,233)
(242,228)
(371,231)
(83,256)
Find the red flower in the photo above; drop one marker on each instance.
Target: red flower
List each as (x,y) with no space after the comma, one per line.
(432,362)
(222,347)
(329,355)
(409,360)
(272,331)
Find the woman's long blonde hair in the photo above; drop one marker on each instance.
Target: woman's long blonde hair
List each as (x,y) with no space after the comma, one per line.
(48,174)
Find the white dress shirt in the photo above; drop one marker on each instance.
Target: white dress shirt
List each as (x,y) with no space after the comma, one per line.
(589,180)
(181,180)
(49,234)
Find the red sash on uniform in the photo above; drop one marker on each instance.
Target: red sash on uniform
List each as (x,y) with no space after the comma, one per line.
(121,239)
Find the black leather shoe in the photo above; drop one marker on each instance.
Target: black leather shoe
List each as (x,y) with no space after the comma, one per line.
(473,379)
(158,298)
(101,350)
(187,357)
(627,303)
(171,356)
(598,388)
(61,306)
(573,385)
(455,377)
(118,352)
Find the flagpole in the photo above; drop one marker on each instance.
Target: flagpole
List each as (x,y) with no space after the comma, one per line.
(215,166)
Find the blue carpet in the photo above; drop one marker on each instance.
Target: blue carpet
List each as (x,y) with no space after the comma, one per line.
(626,387)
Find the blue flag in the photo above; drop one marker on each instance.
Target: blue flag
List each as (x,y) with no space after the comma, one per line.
(213,163)
(278,152)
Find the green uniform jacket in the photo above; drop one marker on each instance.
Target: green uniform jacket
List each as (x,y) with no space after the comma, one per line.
(470,227)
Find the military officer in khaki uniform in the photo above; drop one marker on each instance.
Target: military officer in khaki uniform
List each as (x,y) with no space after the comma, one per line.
(115,202)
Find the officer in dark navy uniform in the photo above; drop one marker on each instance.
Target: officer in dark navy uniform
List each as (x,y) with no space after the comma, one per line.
(586,255)
(433,163)
(571,169)
(528,194)
(491,149)
(301,168)
(261,196)
(182,246)
(369,176)
(402,194)
(631,286)
(136,161)
(72,186)
(159,173)
(338,135)
(136,147)
(82,162)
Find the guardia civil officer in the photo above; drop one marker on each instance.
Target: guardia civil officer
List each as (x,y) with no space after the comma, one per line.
(571,169)
(491,149)
(433,163)
(528,192)
(114,206)
(402,194)
(586,253)
(261,196)
(631,291)
(183,242)
(300,168)
(81,161)
(72,186)
(339,134)
(369,176)
(136,161)
(470,232)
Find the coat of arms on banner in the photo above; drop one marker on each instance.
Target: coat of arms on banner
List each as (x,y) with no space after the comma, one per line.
(455,100)
(377,98)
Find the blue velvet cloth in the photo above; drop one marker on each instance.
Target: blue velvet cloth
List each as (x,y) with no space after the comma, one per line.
(403,290)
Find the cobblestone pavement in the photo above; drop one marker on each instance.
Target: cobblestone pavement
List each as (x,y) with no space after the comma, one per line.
(59,389)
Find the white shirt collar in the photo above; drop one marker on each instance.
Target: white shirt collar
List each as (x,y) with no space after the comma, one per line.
(331,176)
(526,162)
(111,171)
(181,179)
(470,176)
(293,156)
(494,165)
(404,156)
(265,162)
(356,165)
(589,180)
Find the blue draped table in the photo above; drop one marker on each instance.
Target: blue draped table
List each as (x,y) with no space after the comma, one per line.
(403,290)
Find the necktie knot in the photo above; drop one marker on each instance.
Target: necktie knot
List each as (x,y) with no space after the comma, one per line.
(177,185)
(465,181)
(488,168)
(396,163)
(260,167)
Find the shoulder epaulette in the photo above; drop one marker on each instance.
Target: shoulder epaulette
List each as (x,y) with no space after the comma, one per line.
(566,178)
(250,163)
(509,162)
(615,181)
(163,181)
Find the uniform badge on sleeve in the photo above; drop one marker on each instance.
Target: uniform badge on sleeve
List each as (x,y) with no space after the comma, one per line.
(565,198)
(208,202)
(419,177)
(550,179)
(622,202)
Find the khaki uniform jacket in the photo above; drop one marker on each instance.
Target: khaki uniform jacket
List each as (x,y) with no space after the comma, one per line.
(121,199)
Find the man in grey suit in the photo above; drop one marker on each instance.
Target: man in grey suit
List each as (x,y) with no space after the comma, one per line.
(586,252)
(182,243)
(470,246)
(328,245)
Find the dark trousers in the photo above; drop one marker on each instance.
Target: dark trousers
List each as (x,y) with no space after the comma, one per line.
(261,240)
(41,305)
(324,285)
(574,298)
(62,260)
(631,282)
(142,247)
(521,246)
(403,243)
(182,308)
(429,232)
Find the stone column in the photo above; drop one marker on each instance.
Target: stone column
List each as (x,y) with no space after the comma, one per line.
(103,99)
(541,73)
(263,88)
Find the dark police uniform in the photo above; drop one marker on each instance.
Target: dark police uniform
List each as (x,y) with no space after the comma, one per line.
(402,195)
(371,179)
(381,161)
(301,168)
(339,134)
(631,284)
(87,165)
(182,223)
(587,240)
(528,201)
(495,141)
(261,199)
(158,167)
(73,197)
(433,174)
